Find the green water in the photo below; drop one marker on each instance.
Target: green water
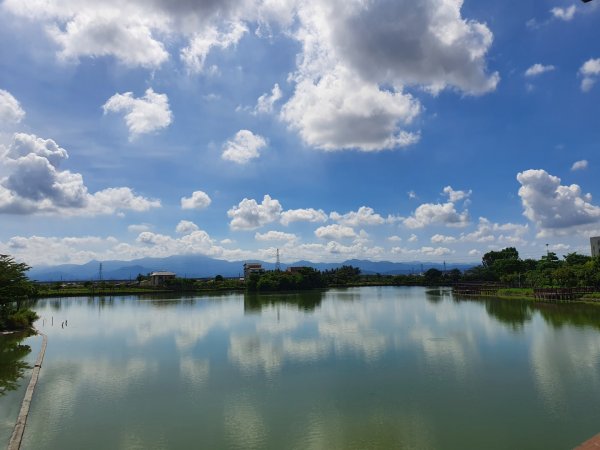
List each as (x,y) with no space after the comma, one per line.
(362,368)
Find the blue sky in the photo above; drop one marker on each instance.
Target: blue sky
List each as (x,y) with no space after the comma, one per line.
(384,130)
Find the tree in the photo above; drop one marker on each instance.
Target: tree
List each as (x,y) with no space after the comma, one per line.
(14,284)
(14,288)
(575,259)
(490,258)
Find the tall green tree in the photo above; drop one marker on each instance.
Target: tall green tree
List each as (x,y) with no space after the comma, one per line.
(14,288)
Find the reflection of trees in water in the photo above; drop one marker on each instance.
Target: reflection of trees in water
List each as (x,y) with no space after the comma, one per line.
(516,312)
(509,312)
(306,300)
(578,315)
(437,295)
(12,366)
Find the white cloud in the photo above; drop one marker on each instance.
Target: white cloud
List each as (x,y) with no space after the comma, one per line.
(437,214)
(400,42)
(35,184)
(413,238)
(441,239)
(135,32)
(474,252)
(339,111)
(355,63)
(198,200)
(303,215)
(142,115)
(186,227)
(364,216)
(590,71)
(552,206)
(565,14)
(275,236)
(194,55)
(435,251)
(488,232)
(107,33)
(579,165)
(266,102)
(335,231)
(10,108)
(422,252)
(412,195)
(394,239)
(138,228)
(249,215)
(455,196)
(538,69)
(243,147)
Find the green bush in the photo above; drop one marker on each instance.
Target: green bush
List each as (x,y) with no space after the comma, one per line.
(21,319)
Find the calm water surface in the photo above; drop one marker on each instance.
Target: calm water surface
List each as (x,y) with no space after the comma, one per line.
(344,369)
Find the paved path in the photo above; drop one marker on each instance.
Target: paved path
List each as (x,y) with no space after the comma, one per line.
(17,436)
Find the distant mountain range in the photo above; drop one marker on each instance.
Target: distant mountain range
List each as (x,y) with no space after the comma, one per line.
(197,266)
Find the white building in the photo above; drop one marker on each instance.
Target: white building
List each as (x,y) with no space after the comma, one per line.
(160,278)
(595,243)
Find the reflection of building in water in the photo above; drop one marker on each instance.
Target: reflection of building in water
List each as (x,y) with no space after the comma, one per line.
(595,243)
(250,268)
(160,278)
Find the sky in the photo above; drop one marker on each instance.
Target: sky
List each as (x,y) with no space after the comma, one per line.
(392,130)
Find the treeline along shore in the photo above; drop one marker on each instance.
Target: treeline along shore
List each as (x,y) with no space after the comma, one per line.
(501,273)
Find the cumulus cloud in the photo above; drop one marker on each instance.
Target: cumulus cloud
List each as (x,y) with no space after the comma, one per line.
(403,42)
(243,147)
(340,111)
(266,102)
(303,215)
(538,69)
(554,207)
(579,165)
(35,183)
(488,232)
(142,115)
(355,63)
(455,196)
(441,239)
(195,54)
(10,108)
(589,71)
(394,238)
(422,252)
(335,231)
(350,51)
(364,216)
(136,32)
(138,228)
(565,14)
(198,200)
(249,214)
(437,214)
(186,227)
(275,236)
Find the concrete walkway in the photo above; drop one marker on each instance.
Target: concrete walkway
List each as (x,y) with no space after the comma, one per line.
(17,436)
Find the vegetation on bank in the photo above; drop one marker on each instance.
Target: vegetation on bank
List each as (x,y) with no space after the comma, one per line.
(15,290)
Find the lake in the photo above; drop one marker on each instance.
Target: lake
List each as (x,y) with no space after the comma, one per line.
(359,368)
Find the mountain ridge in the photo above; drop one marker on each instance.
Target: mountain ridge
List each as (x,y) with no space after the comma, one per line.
(199,266)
